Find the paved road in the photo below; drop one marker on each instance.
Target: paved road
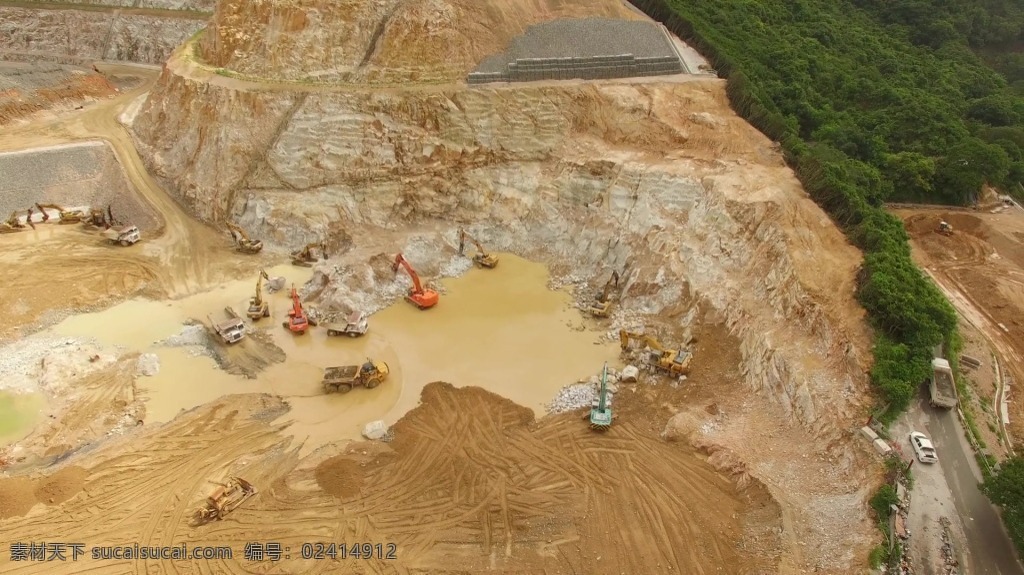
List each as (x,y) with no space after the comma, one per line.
(990,551)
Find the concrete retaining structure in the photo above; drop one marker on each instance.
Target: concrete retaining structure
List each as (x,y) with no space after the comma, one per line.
(586,48)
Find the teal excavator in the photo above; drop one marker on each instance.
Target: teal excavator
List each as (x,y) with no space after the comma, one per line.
(601,412)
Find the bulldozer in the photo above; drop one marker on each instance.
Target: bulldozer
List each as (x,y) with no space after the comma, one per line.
(259,308)
(65,216)
(242,241)
(225,499)
(481,258)
(945,229)
(306,257)
(418,296)
(671,361)
(602,307)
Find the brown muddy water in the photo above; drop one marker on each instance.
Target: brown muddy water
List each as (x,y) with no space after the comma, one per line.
(499,329)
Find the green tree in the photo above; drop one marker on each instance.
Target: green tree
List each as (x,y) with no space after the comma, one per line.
(960,175)
(1006,489)
(911,174)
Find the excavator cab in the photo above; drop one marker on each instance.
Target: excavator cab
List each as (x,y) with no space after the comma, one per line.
(481,258)
(945,229)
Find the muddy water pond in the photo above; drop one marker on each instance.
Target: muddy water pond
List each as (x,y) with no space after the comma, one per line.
(19,412)
(499,329)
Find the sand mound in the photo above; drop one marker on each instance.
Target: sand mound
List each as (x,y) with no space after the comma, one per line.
(340,476)
(61,486)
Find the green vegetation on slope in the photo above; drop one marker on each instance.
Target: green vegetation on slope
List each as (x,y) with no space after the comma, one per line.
(1006,489)
(863,116)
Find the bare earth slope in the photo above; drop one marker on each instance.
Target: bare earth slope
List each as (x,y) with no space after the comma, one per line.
(383,40)
(656,176)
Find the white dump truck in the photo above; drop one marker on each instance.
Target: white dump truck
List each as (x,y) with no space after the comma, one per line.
(231,330)
(125,236)
(941,388)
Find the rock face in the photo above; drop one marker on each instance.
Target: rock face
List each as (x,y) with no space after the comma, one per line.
(77,36)
(378,40)
(659,174)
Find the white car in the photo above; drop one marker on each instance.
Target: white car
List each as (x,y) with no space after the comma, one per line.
(923,447)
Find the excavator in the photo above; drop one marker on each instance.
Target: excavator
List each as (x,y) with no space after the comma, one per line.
(242,241)
(66,216)
(98,219)
(481,258)
(945,229)
(13,223)
(225,499)
(419,296)
(298,322)
(671,361)
(601,410)
(259,308)
(306,256)
(604,305)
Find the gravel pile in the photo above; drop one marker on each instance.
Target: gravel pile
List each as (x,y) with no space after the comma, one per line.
(148,364)
(582,394)
(72,176)
(192,336)
(572,397)
(20,361)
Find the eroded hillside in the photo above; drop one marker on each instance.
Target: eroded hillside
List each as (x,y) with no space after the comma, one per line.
(655,177)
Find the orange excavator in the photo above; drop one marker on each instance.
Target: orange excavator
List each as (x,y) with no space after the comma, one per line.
(419,296)
(297,322)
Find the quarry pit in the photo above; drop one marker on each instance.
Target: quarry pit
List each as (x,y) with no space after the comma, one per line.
(747,465)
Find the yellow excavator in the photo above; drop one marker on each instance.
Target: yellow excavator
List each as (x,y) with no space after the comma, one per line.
(481,258)
(13,223)
(671,361)
(306,257)
(242,241)
(66,216)
(259,308)
(99,219)
(603,306)
(945,229)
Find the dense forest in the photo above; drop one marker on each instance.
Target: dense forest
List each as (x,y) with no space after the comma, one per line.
(876,101)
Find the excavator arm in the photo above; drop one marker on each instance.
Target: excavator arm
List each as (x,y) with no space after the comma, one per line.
(400,261)
(463,236)
(612,282)
(626,336)
(237,232)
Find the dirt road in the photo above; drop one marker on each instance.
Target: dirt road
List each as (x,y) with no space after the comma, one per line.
(981,270)
(989,550)
(186,256)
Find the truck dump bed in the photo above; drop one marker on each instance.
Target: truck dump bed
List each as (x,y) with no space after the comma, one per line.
(345,373)
(942,387)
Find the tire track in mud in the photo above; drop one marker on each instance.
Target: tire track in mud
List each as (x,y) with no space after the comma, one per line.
(469,481)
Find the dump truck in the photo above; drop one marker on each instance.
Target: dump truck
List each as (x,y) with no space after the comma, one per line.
(941,388)
(343,378)
(230,330)
(125,236)
(354,325)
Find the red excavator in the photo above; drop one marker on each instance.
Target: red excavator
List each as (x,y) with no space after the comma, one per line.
(418,296)
(297,320)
